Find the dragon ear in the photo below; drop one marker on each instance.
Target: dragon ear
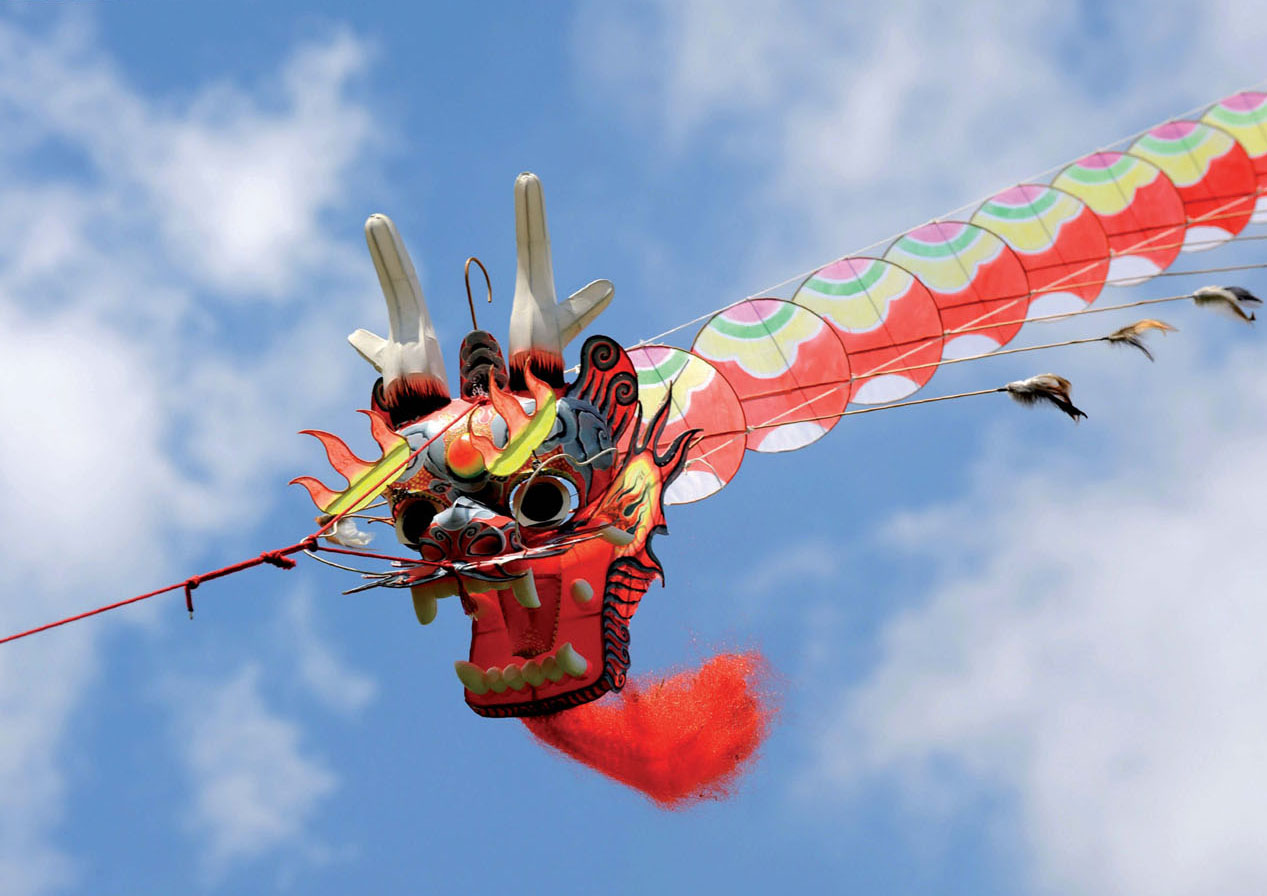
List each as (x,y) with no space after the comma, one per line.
(607,381)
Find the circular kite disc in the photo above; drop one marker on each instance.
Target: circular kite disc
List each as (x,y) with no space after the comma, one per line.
(1138,206)
(1059,241)
(702,400)
(886,320)
(977,282)
(787,366)
(1244,116)
(1213,174)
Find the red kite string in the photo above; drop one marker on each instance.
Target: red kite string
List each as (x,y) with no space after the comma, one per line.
(279,558)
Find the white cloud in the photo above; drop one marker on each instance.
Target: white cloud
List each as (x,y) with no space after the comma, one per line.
(255,788)
(129,429)
(1092,650)
(327,676)
(234,182)
(857,121)
(805,564)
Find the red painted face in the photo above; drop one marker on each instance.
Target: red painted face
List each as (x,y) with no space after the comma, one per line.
(543,537)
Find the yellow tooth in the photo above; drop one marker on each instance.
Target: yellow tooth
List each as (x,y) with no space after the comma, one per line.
(533,674)
(425,606)
(471,676)
(426,595)
(513,676)
(613,535)
(495,681)
(582,592)
(550,669)
(570,661)
(525,590)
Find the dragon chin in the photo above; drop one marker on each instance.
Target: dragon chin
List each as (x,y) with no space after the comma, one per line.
(553,638)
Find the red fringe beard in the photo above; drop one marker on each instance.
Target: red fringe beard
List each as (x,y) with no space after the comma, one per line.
(679,740)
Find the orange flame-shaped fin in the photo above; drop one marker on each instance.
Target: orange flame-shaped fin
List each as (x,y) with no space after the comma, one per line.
(527,431)
(366,480)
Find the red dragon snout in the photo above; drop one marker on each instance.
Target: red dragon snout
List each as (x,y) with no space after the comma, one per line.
(468,531)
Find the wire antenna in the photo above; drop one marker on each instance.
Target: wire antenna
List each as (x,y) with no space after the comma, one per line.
(466,272)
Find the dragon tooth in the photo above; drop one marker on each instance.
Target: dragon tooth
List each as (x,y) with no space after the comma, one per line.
(551,669)
(426,594)
(582,591)
(425,608)
(533,674)
(570,661)
(496,682)
(425,602)
(525,590)
(513,675)
(615,535)
(471,676)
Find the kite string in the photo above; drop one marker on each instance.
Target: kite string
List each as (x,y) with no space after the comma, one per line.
(279,557)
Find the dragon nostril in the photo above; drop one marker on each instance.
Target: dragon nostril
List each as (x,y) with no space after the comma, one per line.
(487,545)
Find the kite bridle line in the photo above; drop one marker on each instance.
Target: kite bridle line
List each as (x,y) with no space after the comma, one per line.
(780,419)
(916,346)
(1218,213)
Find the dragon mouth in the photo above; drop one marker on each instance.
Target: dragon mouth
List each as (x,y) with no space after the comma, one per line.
(538,639)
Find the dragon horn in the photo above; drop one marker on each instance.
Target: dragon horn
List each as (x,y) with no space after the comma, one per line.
(540,327)
(411,352)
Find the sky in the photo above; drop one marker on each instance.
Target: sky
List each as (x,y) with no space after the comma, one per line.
(1016,656)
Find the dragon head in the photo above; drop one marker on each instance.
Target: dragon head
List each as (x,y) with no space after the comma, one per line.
(529,499)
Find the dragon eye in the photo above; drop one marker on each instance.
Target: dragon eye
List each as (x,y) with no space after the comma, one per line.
(412,521)
(543,501)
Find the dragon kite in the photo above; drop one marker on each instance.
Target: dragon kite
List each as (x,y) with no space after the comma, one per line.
(533,499)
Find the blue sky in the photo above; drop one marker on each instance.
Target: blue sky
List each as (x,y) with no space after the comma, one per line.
(1016,656)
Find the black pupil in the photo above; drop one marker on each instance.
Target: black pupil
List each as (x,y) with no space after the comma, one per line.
(541,501)
(415,519)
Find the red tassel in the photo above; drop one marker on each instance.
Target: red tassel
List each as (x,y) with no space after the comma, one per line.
(680,739)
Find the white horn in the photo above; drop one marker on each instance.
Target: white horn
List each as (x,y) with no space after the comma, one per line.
(540,328)
(411,347)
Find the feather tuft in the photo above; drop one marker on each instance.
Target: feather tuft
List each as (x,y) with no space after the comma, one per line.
(1133,334)
(346,533)
(1230,299)
(1045,387)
